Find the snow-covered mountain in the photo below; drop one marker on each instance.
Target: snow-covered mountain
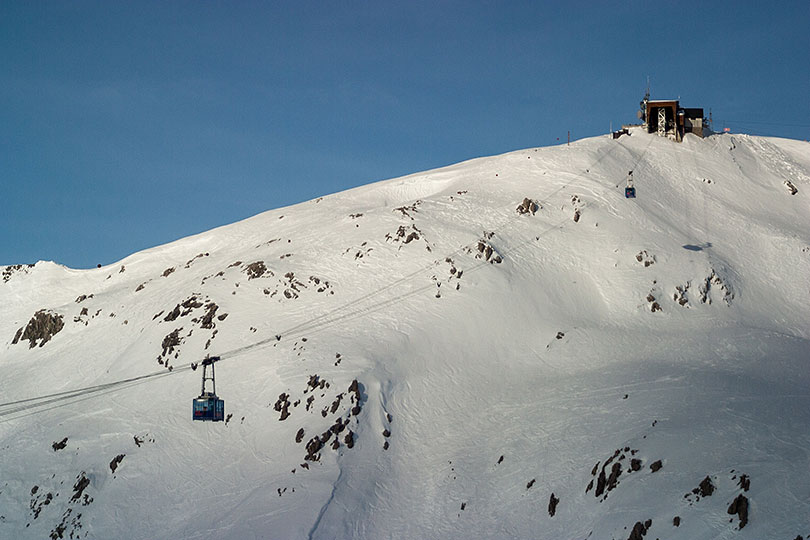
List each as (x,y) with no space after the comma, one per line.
(503,348)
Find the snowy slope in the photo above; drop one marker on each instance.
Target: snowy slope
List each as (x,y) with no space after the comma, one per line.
(500,357)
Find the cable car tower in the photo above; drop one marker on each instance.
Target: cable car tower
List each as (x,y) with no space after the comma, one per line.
(208,407)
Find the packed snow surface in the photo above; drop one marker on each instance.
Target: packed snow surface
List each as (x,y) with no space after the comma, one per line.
(525,341)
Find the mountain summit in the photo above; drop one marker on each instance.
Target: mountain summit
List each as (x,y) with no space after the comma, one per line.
(502,348)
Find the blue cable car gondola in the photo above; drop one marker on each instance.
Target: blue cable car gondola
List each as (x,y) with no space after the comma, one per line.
(630,190)
(208,407)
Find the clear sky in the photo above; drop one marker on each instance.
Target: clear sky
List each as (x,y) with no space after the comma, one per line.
(125,125)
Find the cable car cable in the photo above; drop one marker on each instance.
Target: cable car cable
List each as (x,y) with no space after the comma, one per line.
(95,388)
(331,317)
(36,409)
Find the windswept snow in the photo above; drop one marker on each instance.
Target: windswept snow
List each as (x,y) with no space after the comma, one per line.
(418,358)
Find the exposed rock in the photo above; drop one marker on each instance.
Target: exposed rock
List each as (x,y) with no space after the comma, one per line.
(656,466)
(79,487)
(9,271)
(59,445)
(336,403)
(171,341)
(349,439)
(601,481)
(312,383)
(255,270)
(714,280)
(640,530)
(321,285)
(339,425)
(528,206)
(181,310)
(552,505)
(705,488)
(357,398)
(405,235)
(313,447)
(613,479)
(739,506)
(406,210)
(646,258)
(116,461)
(487,252)
(41,328)
(283,405)
(198,256)
(173,314)
(58,531)
(207,320)
(680,294)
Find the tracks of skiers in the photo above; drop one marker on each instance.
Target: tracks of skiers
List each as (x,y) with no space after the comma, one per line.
(361,306)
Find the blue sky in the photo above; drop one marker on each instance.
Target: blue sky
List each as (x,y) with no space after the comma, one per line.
(126,125)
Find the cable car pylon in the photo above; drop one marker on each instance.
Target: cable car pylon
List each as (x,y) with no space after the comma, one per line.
(208,407)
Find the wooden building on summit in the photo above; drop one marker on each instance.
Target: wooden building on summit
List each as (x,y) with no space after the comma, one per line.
(667,118)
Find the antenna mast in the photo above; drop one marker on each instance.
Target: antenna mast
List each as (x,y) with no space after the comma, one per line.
(643,104)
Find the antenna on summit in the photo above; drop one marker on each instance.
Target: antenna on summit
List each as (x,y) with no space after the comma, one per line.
(642,113)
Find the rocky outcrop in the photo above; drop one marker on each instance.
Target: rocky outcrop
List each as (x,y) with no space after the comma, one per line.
(528,206)
(739,506)
(40,329)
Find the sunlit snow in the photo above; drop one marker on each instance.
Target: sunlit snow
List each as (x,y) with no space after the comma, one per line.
(500,356)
